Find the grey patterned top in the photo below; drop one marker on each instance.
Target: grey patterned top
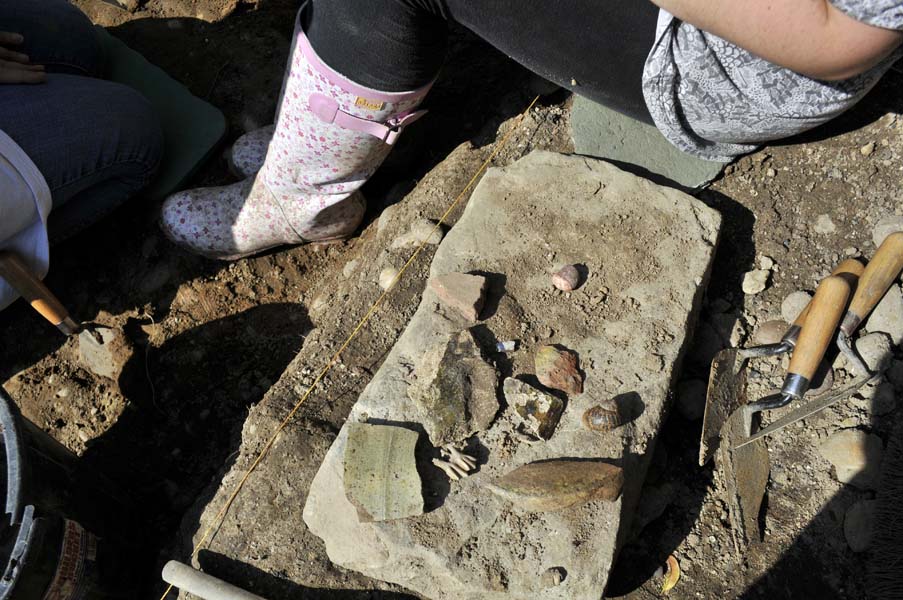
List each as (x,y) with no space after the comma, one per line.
(717,101)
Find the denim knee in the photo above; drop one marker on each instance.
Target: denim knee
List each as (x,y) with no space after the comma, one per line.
(57,35)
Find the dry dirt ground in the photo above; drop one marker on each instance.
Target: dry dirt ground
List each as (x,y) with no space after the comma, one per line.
(213,337)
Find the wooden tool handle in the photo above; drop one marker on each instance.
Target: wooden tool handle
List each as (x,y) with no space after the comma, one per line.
(874,282)
(851,270)
(17,275)
(825,311)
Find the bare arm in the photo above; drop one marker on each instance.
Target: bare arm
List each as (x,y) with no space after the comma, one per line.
(807,36)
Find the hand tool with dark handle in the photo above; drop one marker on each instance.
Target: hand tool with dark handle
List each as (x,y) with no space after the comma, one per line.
(33,290)
(825,312)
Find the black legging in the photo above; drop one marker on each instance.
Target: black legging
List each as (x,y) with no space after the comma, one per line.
(397,45)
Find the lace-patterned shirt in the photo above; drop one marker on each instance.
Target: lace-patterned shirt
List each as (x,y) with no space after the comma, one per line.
(717,101)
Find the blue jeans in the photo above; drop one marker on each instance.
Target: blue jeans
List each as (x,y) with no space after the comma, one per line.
(96,142)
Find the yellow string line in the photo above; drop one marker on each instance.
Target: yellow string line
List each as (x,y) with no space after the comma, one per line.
(221,515)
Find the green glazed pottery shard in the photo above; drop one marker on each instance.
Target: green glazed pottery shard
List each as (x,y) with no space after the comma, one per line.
(381,478)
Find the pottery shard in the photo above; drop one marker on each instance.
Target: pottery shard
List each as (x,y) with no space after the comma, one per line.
(557,484)
(557,369)
(455,389)
(381,478)
(104,351)
(463,293)
(539,411)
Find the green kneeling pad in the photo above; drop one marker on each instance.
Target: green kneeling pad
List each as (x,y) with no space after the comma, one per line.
(641,148)
(192,128)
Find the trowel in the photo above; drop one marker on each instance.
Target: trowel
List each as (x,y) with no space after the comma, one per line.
(745,469)
(727,378)
(880,273)
(730,420)
(107,343)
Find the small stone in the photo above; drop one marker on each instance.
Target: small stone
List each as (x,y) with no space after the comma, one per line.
(691,395)
(766,262)
(794,304)
(886,226)
(875,350)
(104,351)
(771,172)
(557,484)
(381,478)
(63,393)
(824,225)
(84,436)
(857,525)
(539,411)
(423,231)
(454,390)
(851,251)
(557,369)
(769,332)
(888,315)
(465,294)
(868,149)
(349,268)
(387,277)
(755,281)
(553,577)
(856,456)
(567,279)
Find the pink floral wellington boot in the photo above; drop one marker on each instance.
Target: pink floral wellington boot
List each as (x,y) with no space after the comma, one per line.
(247,154)
(330,136)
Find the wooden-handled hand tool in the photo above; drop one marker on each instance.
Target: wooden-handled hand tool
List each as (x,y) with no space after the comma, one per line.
(825,312)
(20,278)
(726,392)
(880,273)
(850,270)
(873,284)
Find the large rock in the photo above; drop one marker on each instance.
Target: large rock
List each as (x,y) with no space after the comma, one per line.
(650,248)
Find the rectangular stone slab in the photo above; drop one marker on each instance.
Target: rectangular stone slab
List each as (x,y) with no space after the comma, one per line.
(647,250)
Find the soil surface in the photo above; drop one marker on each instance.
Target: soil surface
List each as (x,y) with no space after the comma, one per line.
(211,338)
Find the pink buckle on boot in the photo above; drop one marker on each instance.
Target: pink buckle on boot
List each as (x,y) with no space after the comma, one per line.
(327,110)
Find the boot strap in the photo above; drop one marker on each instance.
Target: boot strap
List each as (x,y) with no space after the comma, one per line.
(327,110)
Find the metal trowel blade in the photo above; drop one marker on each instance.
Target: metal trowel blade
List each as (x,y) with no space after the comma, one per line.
(726,393)
(745,475)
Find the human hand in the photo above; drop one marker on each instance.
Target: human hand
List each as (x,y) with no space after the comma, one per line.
(16,67)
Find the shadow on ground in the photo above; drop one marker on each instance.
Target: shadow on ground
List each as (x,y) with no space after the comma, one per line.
(270,586)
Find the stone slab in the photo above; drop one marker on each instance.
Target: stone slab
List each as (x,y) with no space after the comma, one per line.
(603,133)
(651,248)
